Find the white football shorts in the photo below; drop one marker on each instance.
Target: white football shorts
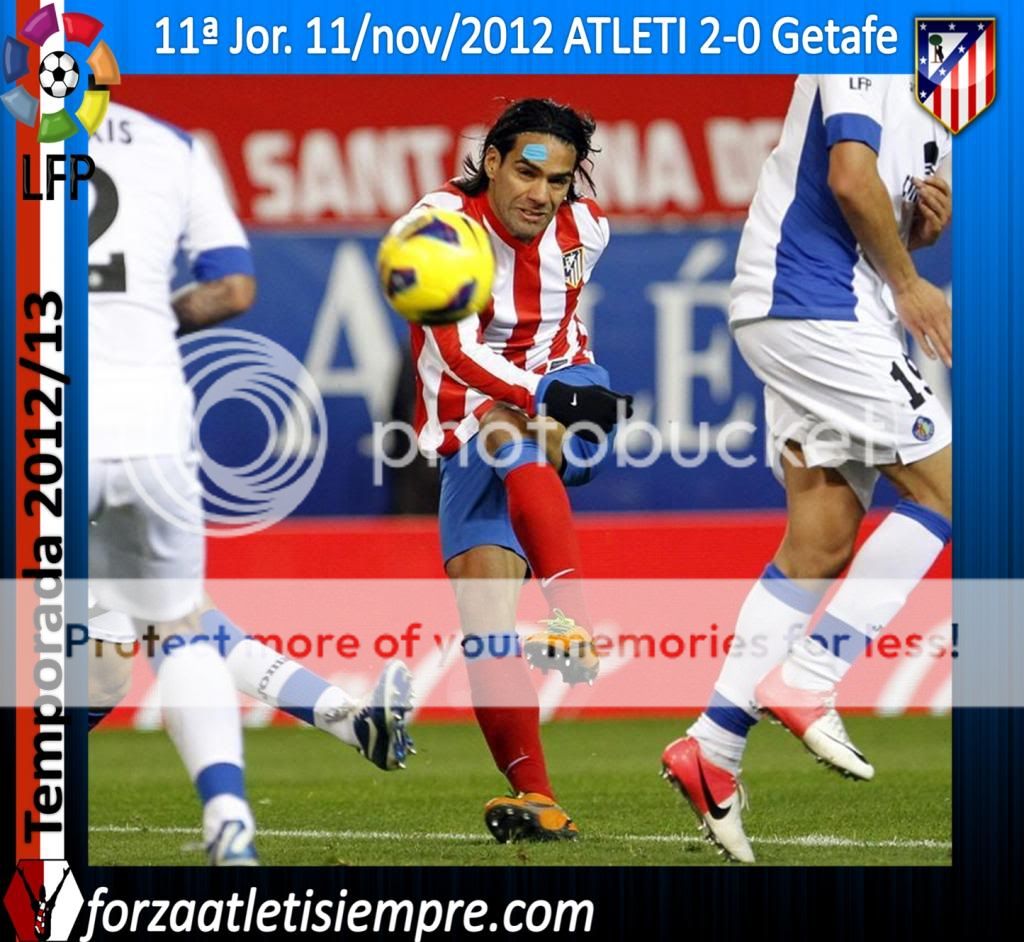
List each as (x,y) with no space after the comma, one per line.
(147,548)
(847,393)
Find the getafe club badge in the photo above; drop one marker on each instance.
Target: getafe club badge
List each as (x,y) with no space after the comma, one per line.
(956,67)
(572,264)
(924,428)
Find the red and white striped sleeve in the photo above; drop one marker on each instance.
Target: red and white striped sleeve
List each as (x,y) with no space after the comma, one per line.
(448,198)
(477,366)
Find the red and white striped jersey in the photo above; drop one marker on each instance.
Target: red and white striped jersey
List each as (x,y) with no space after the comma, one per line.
(529,328)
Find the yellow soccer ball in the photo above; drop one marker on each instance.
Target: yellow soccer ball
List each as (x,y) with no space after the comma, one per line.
(436,266)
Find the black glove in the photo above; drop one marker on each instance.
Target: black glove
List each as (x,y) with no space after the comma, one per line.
(571,404)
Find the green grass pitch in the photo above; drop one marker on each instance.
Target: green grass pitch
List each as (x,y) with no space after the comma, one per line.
(318,803)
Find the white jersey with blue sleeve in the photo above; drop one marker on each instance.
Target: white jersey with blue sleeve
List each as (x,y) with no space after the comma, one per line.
(155,192)
(798,258)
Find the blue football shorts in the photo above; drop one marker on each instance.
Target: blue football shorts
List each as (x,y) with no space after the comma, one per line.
(474,508)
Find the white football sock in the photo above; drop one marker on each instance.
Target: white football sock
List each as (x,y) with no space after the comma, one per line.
(263,673)
(890,564)
(775,612)
(200,709)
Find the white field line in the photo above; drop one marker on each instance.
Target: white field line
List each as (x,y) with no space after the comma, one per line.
(801,840)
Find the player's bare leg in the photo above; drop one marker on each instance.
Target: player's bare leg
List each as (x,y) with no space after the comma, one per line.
(487,580)
(823,516)
(928,482)
(200,711)
(886,569)
(375,725)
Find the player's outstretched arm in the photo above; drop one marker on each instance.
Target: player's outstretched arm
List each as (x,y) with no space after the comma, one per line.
(203,305)
(865,204)
(476,365)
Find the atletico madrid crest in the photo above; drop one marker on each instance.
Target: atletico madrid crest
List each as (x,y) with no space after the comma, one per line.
(572,265)
(956,67)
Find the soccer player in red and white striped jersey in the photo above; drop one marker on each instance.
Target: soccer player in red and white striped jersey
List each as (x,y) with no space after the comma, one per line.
(498,397)
(529,328)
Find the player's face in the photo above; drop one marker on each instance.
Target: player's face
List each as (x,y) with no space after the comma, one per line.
(528,186)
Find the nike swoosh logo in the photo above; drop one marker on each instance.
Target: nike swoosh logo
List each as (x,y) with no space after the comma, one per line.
(715,810)
(544,583)
(860,755)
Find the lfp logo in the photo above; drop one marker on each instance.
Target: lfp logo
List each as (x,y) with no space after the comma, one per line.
(59,74)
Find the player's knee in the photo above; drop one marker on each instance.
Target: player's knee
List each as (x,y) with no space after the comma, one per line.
(486,580)
(551,435)
(486,605)
(821,559)
(942,504)
(928,482)
(500,426)
(934,498)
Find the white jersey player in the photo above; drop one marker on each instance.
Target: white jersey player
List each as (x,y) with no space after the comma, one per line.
(480,385)
(824,288)
(155,191)
(801,261)
(798,257)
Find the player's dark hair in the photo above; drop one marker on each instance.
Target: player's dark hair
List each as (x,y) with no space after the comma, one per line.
(533,116)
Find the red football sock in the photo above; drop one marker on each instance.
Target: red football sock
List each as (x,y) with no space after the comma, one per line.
(506,707)
(541,517)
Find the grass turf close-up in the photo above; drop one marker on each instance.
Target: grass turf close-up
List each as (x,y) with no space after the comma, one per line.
(318,803)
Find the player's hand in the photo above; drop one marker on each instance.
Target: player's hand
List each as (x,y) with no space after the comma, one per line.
(932,212)
(924,311)
(594,405)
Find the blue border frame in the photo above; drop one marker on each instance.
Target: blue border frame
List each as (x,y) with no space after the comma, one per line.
(988,526)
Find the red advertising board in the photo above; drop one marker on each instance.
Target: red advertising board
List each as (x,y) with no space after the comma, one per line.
(281,576)
(303,151)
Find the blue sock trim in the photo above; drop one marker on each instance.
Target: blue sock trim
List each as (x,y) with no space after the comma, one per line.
(527,451)
(787,591)
(299,694)
(483,647)
(930,519)
(222,632)
(219,630)
(97,715)
(221,778)
(733,719)
(839,638)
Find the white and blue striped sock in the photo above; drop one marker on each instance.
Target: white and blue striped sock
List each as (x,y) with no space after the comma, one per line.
(200,709)
(775,612)
(263,673)
(887,568)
